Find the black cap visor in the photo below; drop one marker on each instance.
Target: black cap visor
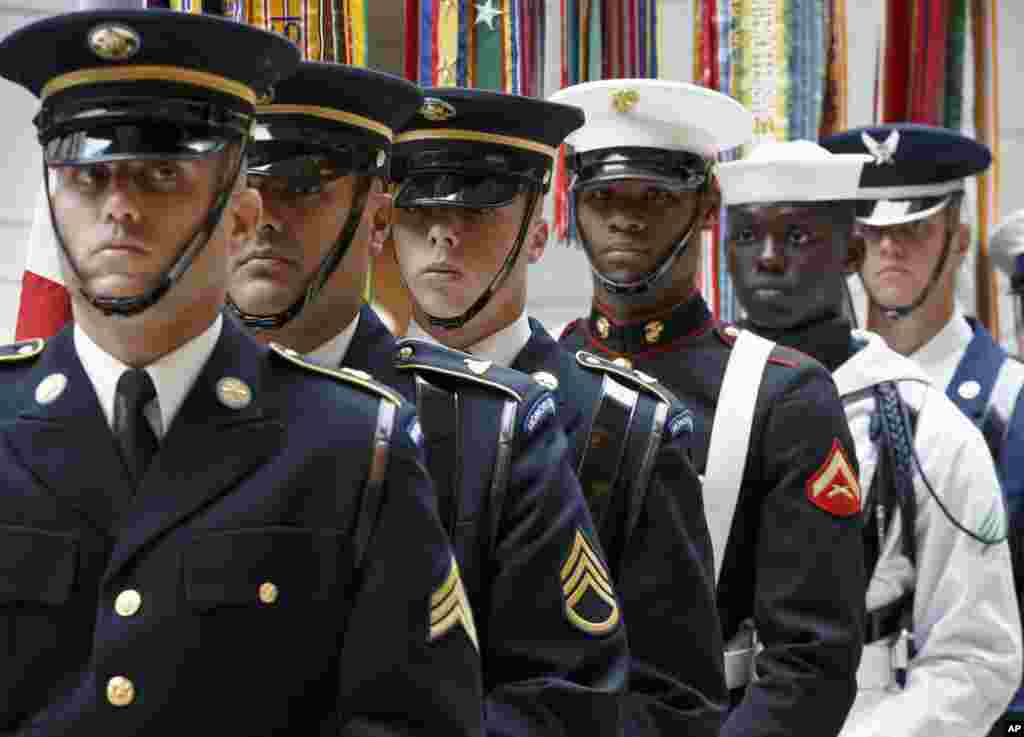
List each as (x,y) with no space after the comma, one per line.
(461,189)
(143,129)
(675,171)
(301,167)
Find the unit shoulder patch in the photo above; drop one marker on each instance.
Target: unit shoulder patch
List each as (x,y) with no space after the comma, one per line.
(590,603)
(834,486)
(360,379)
(634,379)
(22,350)
(418,355)
(449,607)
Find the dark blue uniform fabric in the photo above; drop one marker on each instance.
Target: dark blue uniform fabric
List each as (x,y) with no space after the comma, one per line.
(234,499)
(664,577)
(372,349)
(981,363)
(542,675)
(797,570)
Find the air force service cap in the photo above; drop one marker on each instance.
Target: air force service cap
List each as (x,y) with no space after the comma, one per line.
(661,131)
(330,120)
(478,149)
(127,84)
(914,171)
(794,171)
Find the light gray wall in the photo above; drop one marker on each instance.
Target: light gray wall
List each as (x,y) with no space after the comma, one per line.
(560,283)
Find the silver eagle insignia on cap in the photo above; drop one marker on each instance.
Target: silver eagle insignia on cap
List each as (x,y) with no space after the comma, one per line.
(882,151)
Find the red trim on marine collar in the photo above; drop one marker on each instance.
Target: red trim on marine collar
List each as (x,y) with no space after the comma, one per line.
(664,348)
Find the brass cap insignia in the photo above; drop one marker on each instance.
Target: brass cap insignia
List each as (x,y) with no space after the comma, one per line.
(449,606)
(590,603)
(478,367)
(437,110)
(604,328)
(114,42)
(625,100)
(405,353)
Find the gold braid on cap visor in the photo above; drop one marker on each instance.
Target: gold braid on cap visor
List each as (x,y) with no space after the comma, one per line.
(149,73)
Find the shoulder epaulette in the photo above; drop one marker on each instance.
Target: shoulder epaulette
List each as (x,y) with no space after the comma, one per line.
(729,333)
(422,356)
(636,379)
(350,376)
(23,350)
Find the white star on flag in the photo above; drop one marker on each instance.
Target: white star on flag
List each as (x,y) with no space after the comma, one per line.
(486,13)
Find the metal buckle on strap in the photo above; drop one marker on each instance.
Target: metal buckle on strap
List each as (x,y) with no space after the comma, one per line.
(884,663)
(741,657)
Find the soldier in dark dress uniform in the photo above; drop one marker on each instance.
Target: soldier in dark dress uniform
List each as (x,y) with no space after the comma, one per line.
(549,623)
(470,170)
(199,531)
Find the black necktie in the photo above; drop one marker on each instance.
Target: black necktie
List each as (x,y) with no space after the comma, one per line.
(135,437)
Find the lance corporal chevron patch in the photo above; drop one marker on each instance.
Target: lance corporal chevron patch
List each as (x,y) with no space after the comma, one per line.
(449,606)
(834,486)
(590,603)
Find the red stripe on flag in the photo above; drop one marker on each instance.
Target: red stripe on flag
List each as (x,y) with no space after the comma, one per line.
(44,308)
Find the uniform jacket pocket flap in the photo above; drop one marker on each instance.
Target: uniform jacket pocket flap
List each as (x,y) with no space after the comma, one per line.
(260,566)
(36,565)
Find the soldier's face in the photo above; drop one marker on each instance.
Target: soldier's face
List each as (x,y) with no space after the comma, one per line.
(124,222)
(899,259)
(630,226)
(449,255)
(789,261)
(295,234)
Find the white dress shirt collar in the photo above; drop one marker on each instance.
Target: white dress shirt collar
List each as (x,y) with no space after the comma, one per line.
(941,355)
(331,353)
(501,347)
(173,374)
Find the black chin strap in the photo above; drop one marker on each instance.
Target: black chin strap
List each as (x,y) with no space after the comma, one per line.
(454,323)
(192,246)
(319,279)
(900,311)
(659,272)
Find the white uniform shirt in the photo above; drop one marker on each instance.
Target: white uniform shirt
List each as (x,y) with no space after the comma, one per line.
(940,356)
(966,621)
(173,374)
(501,347)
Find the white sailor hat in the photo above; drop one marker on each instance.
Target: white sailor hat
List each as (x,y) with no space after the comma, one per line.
(915,169)
(652,129)
(1007,248)
(795,171)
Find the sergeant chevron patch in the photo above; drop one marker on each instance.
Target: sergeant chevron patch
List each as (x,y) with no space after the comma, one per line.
(834,486)
(590,603)
(449,606)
